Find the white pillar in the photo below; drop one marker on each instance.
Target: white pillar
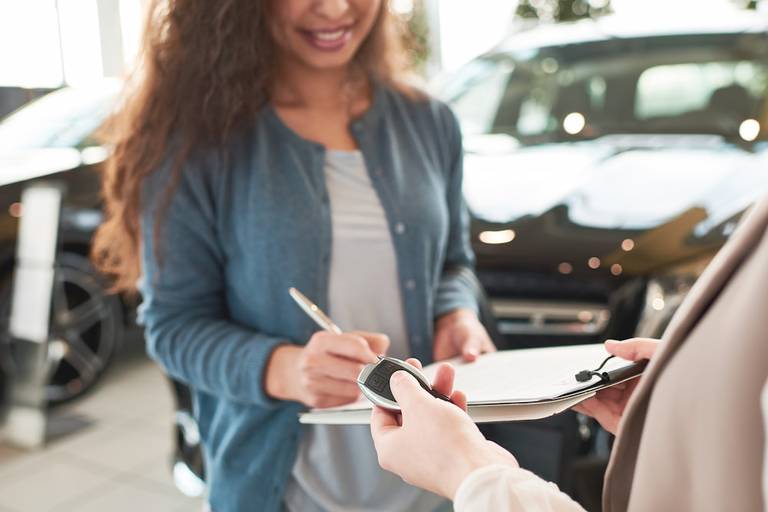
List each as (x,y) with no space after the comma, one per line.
(30,313)
(435,62)
(111,35)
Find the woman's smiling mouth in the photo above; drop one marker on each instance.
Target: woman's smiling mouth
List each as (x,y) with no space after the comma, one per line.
(328,39)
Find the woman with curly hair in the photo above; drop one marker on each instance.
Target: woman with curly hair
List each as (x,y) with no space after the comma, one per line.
(268,144)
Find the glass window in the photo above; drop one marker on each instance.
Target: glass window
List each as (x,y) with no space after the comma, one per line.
(703,84)
(677,89)
(478,93)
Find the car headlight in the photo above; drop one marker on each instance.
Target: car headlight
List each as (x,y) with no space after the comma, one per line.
(664,294)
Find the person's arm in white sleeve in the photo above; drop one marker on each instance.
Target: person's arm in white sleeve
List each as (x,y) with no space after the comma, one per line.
(506,488)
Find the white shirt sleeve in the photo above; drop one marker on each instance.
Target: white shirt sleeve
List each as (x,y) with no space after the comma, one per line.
(505,488)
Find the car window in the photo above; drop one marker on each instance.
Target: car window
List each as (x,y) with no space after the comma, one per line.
(718,89)
(479,91)
(704,84)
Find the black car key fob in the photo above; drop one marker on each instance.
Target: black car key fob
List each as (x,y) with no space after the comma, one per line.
(374,382)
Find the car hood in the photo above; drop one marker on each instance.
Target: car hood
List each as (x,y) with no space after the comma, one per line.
(27,164)
(596,194)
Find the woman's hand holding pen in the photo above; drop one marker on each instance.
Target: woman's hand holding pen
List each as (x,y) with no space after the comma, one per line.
(323,373)
(608,405)
(460,333)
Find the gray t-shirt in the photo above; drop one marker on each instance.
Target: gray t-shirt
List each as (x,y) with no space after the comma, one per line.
(336,468)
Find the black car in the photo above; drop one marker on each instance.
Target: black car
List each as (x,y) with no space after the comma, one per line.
(606,163)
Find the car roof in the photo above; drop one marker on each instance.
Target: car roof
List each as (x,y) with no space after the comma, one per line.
(612,27)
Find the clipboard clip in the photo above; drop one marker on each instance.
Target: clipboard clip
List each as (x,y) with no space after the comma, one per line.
(634,369)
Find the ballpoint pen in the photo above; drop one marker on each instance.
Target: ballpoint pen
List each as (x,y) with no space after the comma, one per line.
(314,312)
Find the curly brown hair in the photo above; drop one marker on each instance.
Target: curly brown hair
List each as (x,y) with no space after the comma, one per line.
(204,71)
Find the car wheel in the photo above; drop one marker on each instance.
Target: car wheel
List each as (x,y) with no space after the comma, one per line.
(188,463)
(86,328)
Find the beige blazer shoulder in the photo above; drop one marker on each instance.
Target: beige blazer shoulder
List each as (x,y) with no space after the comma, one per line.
(743,244)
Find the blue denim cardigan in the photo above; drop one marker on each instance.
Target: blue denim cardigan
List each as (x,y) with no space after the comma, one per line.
(239,232)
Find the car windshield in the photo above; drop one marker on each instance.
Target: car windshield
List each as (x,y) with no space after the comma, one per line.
(706,84)
(64,118)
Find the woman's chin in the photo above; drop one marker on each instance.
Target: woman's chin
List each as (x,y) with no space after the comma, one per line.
(328,62)
(325,59)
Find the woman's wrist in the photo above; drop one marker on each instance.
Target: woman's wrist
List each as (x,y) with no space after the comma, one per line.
(280,374)
(454,316)
(471,458)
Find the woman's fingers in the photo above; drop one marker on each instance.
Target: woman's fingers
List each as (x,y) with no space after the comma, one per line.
(443,347)
(488,345)
(472,347)
(332,366)
(379,343)
(477,342)
(343,389)
(632,349)
(350,346)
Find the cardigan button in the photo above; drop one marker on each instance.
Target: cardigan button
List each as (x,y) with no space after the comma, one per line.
(410,284)
(399,228)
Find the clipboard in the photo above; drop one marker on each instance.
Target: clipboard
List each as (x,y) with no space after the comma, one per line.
(513,385)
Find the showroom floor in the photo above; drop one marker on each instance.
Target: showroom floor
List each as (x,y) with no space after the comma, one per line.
(117,462)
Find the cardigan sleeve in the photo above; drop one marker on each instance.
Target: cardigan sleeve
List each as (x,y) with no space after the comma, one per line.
(187,327)
(453,291)
(506,488)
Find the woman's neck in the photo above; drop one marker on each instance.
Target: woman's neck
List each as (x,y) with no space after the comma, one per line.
(303,87)
(319,104)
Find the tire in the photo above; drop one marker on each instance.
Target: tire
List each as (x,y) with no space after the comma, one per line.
(86,328)
(188,464)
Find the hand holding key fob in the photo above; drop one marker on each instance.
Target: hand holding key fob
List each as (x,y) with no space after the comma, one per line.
(374,382)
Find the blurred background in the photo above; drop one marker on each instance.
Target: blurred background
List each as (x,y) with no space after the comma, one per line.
(611,147)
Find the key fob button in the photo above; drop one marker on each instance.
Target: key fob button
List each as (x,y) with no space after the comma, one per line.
(375,385)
